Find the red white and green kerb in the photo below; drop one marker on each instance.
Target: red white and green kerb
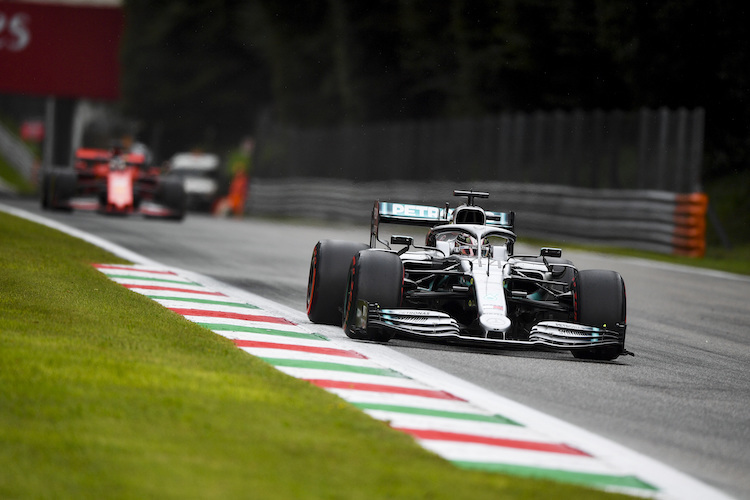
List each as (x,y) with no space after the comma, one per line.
(441,421)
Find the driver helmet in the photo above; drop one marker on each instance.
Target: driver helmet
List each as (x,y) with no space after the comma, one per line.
(465,244)
(116,148)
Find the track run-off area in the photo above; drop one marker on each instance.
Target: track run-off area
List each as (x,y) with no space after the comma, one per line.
(671,422)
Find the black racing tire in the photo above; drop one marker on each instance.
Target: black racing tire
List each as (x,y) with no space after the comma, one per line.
(375,276)
(562,273)
(171,194)
(599,300)
(326,284)
(58,187)
(44,191)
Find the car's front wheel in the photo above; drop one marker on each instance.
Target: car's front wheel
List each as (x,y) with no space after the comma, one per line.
(58,186)
(375,277)
(599,300)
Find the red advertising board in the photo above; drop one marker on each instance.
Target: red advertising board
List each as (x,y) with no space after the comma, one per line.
(64,50)
(32,130)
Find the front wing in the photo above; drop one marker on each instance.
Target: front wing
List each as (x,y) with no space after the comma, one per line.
(556,335)
(146,208)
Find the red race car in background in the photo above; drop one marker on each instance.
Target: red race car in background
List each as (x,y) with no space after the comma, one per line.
(112,182)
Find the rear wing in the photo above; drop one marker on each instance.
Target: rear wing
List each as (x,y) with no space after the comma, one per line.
(86,157)
(501,219)
(426,216)
(413,215)
(93,155)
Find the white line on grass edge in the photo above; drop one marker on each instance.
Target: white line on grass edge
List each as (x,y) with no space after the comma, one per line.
(672,483)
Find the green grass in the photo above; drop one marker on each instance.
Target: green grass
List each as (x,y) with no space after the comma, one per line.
(105,394)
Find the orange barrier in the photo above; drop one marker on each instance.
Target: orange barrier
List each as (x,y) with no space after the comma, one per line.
(690,224)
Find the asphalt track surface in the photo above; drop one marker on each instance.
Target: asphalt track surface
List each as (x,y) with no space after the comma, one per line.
(684,399)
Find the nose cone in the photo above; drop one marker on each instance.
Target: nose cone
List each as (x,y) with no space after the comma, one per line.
(494,322)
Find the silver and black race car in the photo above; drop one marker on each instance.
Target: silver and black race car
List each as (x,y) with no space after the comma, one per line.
(464,285)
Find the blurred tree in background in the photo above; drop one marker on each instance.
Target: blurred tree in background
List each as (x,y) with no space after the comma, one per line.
(202,72)
(189,75)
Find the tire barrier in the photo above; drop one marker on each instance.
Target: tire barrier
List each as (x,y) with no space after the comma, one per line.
(690,224)
(657,221)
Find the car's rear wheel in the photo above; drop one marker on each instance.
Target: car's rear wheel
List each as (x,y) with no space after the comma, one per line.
(376,277)
(58,187)
(326,285)
(562,270)
(599,300)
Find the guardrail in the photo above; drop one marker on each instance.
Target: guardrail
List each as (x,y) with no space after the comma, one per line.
(658,221)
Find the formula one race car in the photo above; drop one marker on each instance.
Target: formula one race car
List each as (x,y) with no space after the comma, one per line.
(199,173)
(465,285)
(113,182)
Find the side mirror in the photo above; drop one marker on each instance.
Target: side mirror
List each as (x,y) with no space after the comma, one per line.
(550,252)
(402,240)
